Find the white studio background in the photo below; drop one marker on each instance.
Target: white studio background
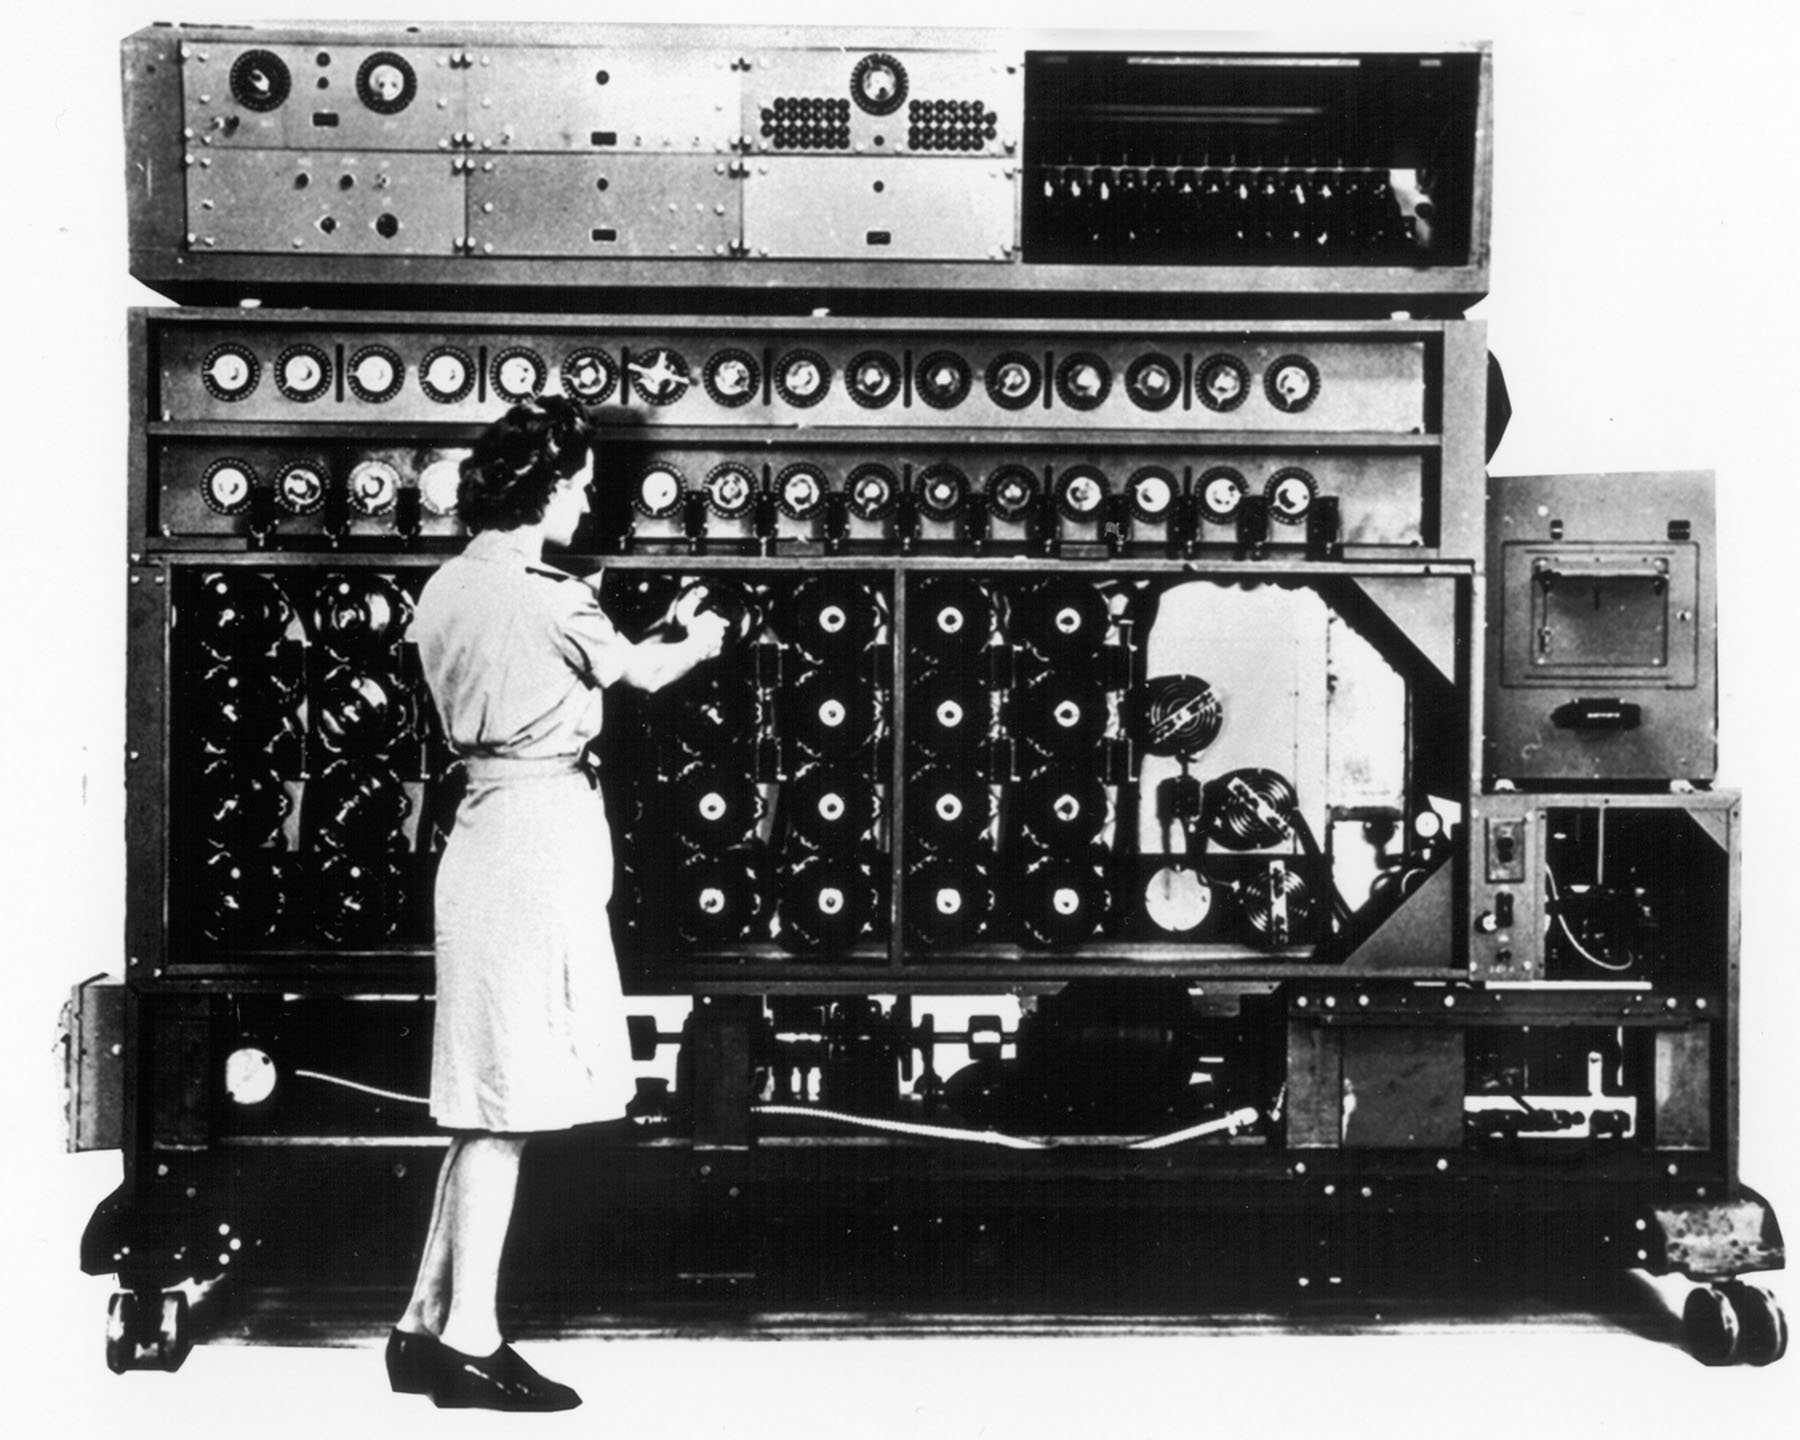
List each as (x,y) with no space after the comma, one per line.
(1643,304)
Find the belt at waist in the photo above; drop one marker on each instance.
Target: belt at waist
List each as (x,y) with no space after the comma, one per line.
(500,769)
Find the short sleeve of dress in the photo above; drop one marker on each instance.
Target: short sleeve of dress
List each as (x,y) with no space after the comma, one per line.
(594,649)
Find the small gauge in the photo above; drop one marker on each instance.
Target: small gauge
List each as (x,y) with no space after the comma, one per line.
(226,486)
(872,490)
(375,374)
(230,372)
(250,1076)
(1290,494)
(1178,715)
(1080,492)
(732,377)
(1153,381)
(800,491)
(302,373)
(1222,382)
(1012,491)
(878,84)
(1152,490)
(1083,381)
(438,484)
(589,376)
(1013,380)
(729,489)
(1177,900)
(660,375)
(943,380)
(1291,383)
(385,82)
(1221,490)
(447,374)
(372,487)
(300,487)
(658,492)
(802,377)
(519,374)
(873,379)
(260,81)
(942,489)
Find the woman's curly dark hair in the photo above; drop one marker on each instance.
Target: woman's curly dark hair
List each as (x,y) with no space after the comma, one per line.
(519,460)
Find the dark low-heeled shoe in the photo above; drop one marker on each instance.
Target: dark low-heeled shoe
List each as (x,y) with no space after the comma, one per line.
(501,1381)
(414,1360)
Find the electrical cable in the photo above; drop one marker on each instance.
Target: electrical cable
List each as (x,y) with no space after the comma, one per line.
(358,1085)
(1569,935)
(905,1127)
(1231,1121)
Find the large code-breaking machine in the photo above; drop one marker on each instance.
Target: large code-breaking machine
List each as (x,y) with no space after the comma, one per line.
(1162,806)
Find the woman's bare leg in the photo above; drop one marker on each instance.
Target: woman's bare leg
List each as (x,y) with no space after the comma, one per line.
(478,1209)
(430,1301)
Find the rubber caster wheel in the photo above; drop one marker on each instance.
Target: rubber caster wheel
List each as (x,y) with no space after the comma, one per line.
(1762,1325)
(1711,1326)
(147,1331)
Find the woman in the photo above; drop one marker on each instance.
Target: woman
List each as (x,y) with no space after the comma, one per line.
(530,1032)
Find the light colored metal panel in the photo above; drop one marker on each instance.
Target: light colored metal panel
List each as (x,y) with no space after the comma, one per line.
(287,203)
(803,208)
(993,80)
(636,205)
(650,99)
(322,107)
(1684,1089)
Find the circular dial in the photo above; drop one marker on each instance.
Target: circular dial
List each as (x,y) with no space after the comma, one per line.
(372,487)
(831,617)
(942,490)
(1080,492)
(802,377)
(1177,900)
(250,1076)
(1152,491)
(438,483)
(302,373)
(236,613)
(242,804)
(1012,491)
(1062,810)
(1221,490)
(730,489)
(872,490)
(226,485)
(1083,381)
(385,82)
(800,491)
(715,718)
(230,372)
(447,374)
(718,899)
(950,713)
(873,379)
(948,901)
(1062,902)
(1222,382)
(354,808)
(243,709)
(300,487)
(376,374)
(589,376)
(658,491)
(1291,383)
(1153,381)
(519,374)
(1290,493)
(358,902)
(946,809)
(832,715)
(260,80)
(1062,617)
(1063,717)
(245,897)
(1013,380)
(732,377)
(358,614)
(952,618)
(826,904)
(358,713)
(827,806)
(1254,809)
(878,84)
(1279,905)
(714,807)
(1178,715)
(943,379)
(660,376)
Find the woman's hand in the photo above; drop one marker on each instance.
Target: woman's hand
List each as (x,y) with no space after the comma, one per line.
(706,630)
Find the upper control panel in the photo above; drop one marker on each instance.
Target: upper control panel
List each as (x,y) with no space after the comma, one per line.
(278,163)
